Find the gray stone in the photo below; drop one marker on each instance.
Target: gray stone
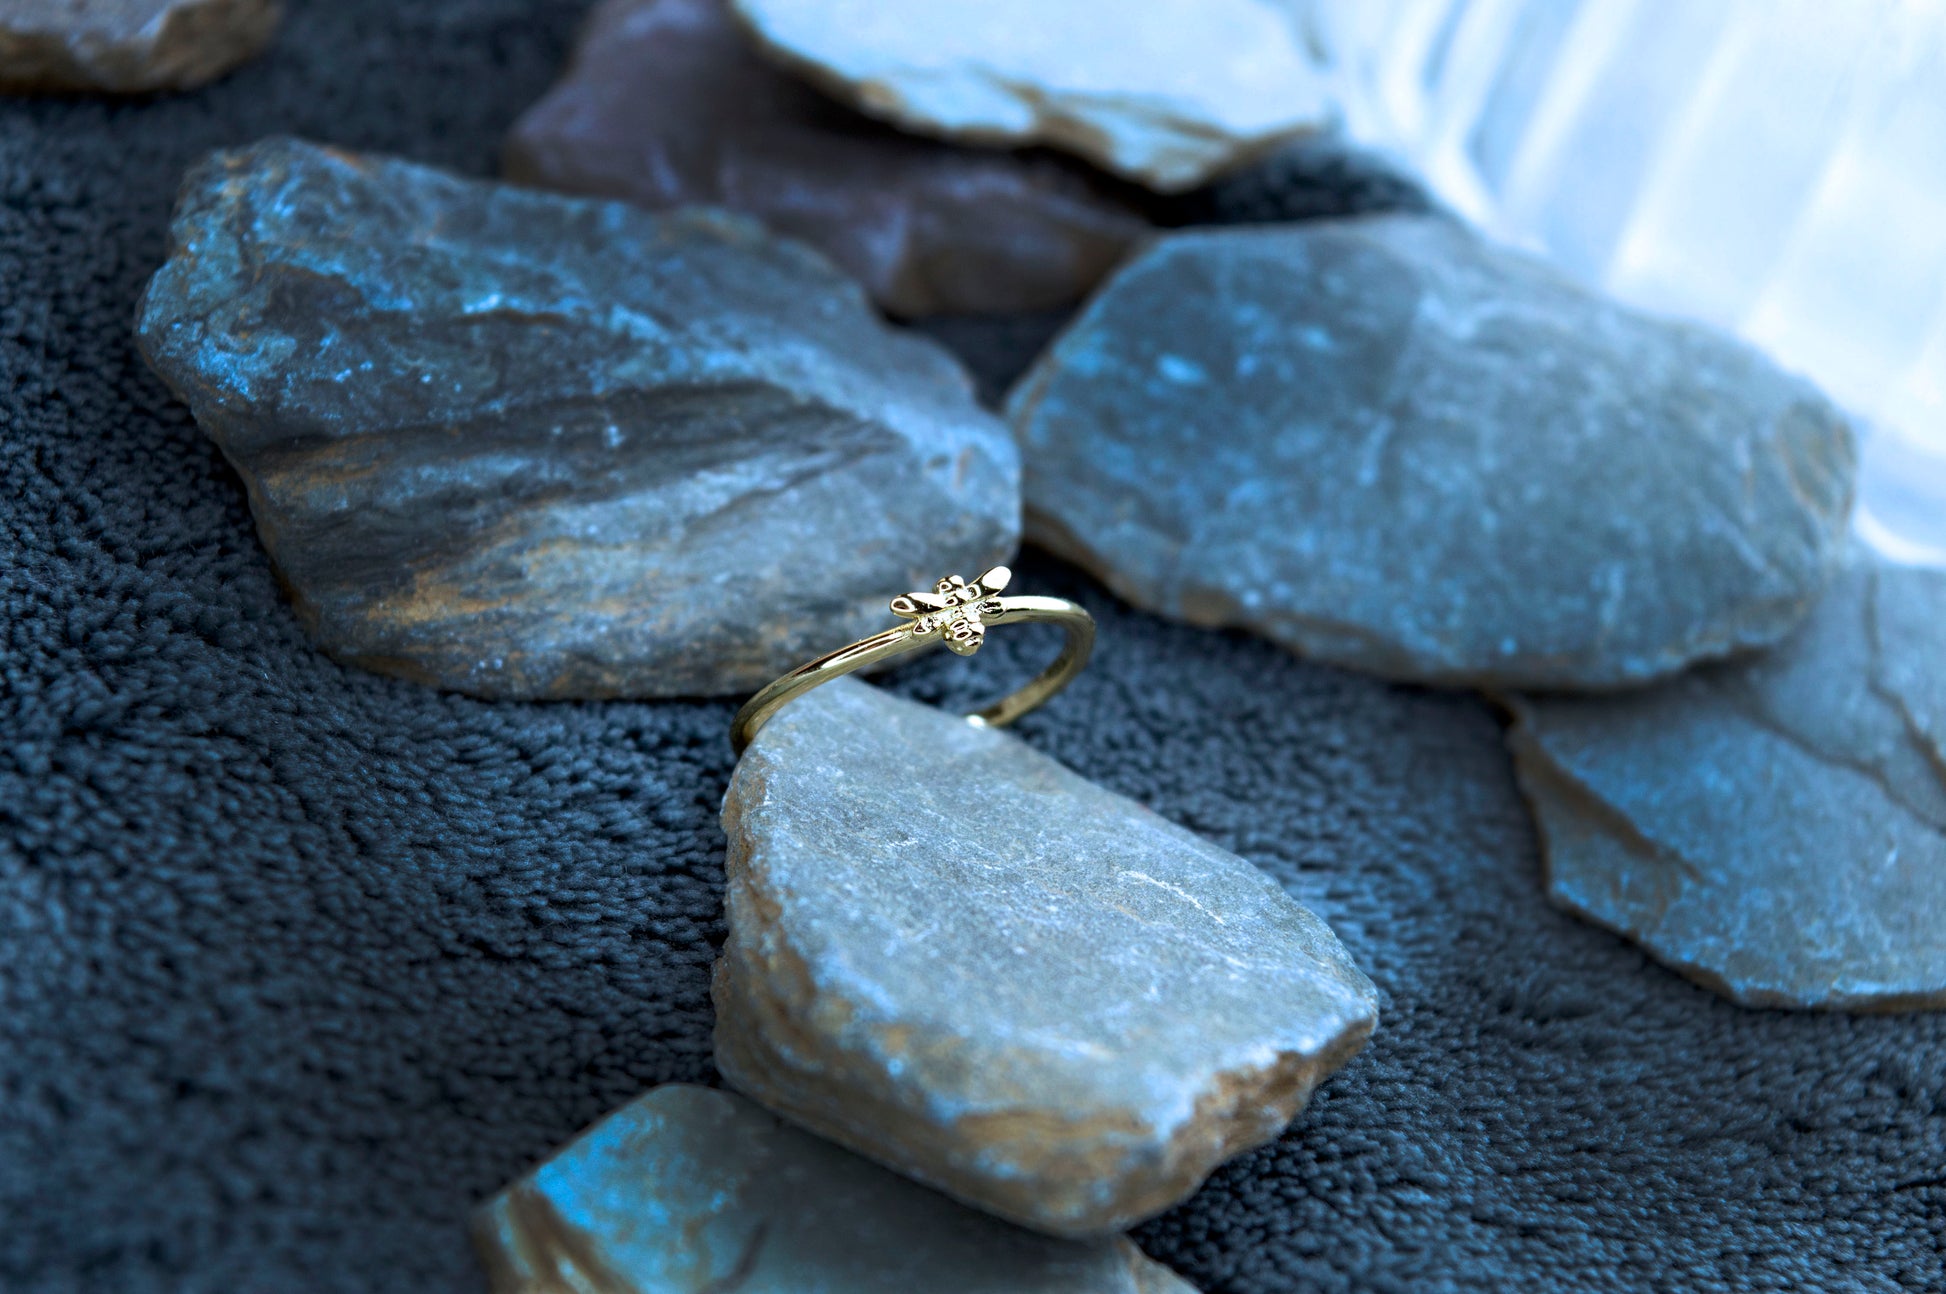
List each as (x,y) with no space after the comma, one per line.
(1774,828)
(955,956)
(1911,608)
(525,445)
(665,104)
(128,46)
(1393,447)
(688,1190)
(1166,92)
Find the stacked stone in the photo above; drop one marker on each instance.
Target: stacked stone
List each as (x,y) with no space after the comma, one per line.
(527,445)
(531,445)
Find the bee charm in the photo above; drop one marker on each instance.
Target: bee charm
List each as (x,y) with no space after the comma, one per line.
(956,614)
(954,607)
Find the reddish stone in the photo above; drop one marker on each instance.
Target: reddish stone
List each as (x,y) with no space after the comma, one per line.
(664,104)
(128,46)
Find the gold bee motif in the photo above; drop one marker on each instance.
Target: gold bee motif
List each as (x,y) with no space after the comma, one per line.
(954,607)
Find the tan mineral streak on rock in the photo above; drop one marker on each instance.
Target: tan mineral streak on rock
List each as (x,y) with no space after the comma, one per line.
(893,939)
(128,46)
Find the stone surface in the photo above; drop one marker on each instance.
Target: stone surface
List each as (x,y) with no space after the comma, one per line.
(688,1190)
(1774,828)
(1393,447)
(1166,93)
(128,46)
(955,956)
(301,962)
(665,104)
(524,445)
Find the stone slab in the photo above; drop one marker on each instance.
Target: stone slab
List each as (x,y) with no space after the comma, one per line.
(525,445)
(955,956)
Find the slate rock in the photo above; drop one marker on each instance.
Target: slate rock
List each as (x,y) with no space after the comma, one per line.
(688,1190)
(953,955)
(1393,447)
(128,46)
(525,445)
(1774,828)
(665,104)
(1166,93)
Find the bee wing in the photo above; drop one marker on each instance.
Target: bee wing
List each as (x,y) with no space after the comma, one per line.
(996,579)
(918,604)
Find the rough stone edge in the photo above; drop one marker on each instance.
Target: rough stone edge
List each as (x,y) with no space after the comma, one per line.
(113,69)
(1205,606)
(1548,788)
(1148,1276)
(525,1247)
(1882,680)
(900,306)
(733,229)
(1278,1091)
(1054,127)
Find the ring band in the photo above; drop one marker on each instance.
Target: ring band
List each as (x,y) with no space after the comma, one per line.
(955,615)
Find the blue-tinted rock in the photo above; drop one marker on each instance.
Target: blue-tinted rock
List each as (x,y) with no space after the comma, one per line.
(665,104)
(687,1190)
(128,46)
(1774,828)
(525,445)
(1164,92)
(955,956)
(1394,447)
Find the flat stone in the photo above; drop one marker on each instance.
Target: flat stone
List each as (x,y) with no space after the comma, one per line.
(128,46)
(1166,93)
(1393,447)
(1774,828)
(665,104)
(688,1190)
(525,445)
(953,955)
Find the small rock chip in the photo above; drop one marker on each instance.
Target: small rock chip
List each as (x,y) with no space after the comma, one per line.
(1393,447)
(128,46)
(1774,828)
(687,1190)
(665,104)
(1166,92)
(953,955)
(524,445)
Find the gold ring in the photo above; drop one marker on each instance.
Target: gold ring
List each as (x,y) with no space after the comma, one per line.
(955,615)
